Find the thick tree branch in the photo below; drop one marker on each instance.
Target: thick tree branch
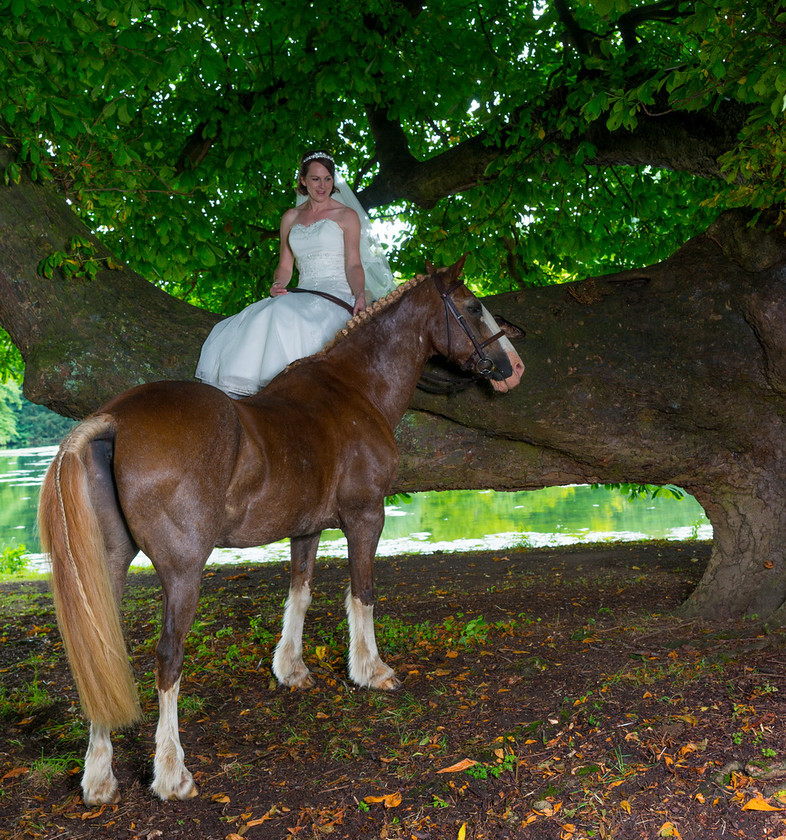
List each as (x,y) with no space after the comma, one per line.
(681,141)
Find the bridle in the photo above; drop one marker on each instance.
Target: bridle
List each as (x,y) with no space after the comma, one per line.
(483,364)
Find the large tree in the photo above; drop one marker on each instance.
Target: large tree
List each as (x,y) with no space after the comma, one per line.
(149,152)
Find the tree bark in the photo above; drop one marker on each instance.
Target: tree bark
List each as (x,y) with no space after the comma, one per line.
(673,373)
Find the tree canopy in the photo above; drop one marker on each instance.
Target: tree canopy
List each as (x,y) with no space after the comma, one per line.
(547,139)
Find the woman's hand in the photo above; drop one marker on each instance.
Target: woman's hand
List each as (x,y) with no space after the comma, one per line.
(360,302)
(277,289)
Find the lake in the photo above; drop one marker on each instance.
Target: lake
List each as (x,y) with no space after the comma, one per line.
(455,520)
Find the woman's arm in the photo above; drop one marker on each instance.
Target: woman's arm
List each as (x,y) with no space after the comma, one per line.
(286,260)
(353,268)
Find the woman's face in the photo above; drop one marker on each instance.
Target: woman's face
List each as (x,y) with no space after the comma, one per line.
(318,182)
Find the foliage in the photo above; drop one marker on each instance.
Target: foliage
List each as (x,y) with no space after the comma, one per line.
(13,560)
(10,403)
(11,364)
(24,424)
(645,491)
(174,130)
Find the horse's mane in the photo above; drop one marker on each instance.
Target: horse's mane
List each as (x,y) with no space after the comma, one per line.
(368,314)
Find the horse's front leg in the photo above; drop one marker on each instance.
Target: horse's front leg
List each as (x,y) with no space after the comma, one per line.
(365,666)
(171,778)
(288,665)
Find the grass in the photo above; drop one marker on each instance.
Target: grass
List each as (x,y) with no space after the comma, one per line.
(48,769)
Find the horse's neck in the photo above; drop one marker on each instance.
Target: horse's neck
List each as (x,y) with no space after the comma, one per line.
(390,352)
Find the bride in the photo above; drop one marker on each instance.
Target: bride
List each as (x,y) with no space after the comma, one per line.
(340,265)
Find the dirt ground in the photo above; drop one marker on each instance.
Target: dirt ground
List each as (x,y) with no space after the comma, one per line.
(546,694)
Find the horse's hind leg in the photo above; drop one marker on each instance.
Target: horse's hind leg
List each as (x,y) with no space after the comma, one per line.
(99,785)
(288,665)
(171,778)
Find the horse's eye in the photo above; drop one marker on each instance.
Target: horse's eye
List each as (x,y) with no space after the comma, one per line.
(474,308)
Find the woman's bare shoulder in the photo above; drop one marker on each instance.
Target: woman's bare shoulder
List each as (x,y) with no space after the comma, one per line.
(347,217)
(290,216)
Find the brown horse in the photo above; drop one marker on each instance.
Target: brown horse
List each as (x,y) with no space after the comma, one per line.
(177,468)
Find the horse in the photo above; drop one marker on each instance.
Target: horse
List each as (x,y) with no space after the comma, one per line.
(176,468)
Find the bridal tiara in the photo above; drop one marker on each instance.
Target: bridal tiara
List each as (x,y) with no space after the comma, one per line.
(316,156)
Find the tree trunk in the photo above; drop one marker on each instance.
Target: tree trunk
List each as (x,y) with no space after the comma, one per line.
(673,373)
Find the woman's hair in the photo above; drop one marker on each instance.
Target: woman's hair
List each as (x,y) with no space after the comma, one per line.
(318,156)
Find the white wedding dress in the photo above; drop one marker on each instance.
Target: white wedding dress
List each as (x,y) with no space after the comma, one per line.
(244,352)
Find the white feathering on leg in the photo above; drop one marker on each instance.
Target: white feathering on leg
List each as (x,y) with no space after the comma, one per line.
(366,669)
(171,779)
(288,665)
(99,785)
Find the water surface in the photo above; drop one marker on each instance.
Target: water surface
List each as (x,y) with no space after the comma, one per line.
(455,520)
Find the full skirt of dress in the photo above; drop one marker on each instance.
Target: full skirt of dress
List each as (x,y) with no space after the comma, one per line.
(245,351)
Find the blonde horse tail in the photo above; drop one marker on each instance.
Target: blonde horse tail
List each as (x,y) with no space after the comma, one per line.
(87,612)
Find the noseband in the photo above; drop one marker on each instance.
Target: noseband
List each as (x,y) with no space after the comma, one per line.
(483,364)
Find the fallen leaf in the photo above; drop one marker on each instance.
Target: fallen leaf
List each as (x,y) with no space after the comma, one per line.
(625,805)
(462,833)
(222,798)
(668,829)
(759,804)
(17,771)
(691,719)
(544,808)
(389,800)
(459,766)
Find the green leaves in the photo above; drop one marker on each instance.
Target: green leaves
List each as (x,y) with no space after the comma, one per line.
(175,131)
(78,263)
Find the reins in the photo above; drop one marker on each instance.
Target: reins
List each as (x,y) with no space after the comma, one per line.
(432,382)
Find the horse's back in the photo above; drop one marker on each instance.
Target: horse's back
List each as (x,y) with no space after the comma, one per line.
(172,416)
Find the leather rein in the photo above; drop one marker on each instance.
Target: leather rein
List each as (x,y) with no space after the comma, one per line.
(484,366)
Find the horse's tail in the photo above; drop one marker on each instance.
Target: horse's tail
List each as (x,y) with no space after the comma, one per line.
(87,612)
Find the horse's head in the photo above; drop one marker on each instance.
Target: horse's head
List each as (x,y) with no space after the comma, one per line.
(472,337)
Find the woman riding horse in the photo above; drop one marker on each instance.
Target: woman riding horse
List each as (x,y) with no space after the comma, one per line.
(176,468)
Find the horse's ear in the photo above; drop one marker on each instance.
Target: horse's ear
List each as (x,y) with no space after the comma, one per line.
(430,268)
(454,272)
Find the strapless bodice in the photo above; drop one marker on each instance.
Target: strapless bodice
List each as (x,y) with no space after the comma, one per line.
(319,251)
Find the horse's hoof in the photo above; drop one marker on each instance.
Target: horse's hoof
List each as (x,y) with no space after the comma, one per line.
(185,789)
(297,679)
(107,793)
(388,683)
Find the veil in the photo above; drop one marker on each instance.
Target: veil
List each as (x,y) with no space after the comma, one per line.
(379,277)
